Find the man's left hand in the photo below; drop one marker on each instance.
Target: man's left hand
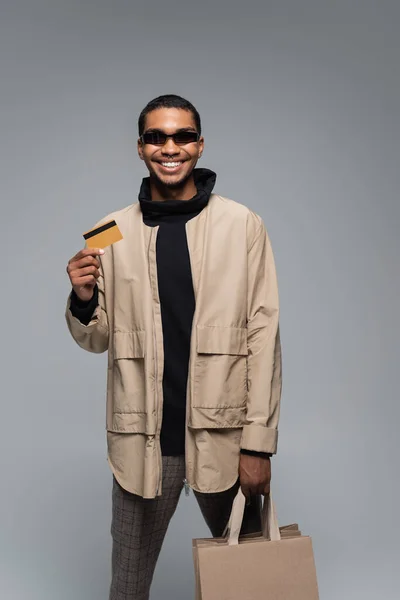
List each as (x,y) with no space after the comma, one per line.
(254,475)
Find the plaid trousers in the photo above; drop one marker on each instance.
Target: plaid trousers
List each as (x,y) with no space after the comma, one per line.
(139,527)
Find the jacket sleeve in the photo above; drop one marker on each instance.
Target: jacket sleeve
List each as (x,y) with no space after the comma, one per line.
(264,376)
(93,334)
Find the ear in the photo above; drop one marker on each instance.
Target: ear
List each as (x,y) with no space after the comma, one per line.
(201,146)
(140,149)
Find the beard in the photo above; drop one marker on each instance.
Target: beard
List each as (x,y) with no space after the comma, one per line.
(172,185)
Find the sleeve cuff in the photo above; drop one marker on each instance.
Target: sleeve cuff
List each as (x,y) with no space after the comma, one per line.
(258,438)
(254,453)
(84,310)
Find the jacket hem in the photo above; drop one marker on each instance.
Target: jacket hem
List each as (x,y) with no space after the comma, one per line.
(218,491)
(129,489)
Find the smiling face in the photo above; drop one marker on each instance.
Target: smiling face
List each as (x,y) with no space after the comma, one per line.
(170,165)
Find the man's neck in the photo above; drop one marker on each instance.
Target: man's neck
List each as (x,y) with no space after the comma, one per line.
(161,193)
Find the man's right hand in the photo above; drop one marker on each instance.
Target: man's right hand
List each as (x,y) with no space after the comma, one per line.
(83,272)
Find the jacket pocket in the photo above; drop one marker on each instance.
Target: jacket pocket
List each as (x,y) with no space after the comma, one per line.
(128,375)
(128,344)
(220,378)
(222,340)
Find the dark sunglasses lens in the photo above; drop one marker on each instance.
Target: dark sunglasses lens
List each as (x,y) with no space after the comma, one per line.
(185,137)
(157,138)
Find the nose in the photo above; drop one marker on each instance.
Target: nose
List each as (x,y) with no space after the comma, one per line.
(170,147)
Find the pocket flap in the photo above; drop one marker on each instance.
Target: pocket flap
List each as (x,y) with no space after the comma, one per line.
(222,340)
(129,344)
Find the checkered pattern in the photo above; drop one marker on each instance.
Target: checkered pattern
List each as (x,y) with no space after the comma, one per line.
(138,529)
(139,526)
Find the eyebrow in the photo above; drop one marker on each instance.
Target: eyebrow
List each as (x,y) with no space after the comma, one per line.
(155,129)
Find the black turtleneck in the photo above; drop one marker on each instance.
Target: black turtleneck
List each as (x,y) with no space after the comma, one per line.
(177,299)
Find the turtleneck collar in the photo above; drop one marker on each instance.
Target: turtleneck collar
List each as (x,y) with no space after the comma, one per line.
(204,180)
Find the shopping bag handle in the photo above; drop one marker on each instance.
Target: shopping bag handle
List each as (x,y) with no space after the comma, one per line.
(270,527)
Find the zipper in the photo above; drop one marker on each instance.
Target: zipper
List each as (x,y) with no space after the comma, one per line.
(185,481)
(194,324)
(186,486)
(188,385)
(157,402)
(191,368)
(157,397)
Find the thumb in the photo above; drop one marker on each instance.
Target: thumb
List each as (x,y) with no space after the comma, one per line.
(246,492)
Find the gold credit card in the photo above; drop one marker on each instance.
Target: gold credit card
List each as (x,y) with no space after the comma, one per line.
(103,236)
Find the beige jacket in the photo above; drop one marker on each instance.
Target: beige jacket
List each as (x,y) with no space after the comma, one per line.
(234,383)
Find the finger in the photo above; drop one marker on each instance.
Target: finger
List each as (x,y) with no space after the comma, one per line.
(257,489)
(89,275)
(267,489)
(90,270)
(86,261)
(88,252)
(252,494)
(246,491)
(82,281)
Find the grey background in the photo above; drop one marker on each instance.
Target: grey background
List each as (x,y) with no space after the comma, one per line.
(300,106)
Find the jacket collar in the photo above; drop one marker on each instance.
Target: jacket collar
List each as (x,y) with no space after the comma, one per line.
(204,180)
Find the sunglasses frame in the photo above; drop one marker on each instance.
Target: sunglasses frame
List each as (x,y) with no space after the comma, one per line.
(172,135)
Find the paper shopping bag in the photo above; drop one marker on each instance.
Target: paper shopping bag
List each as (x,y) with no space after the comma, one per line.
(276,564)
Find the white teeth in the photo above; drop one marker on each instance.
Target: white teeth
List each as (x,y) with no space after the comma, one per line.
(171,165)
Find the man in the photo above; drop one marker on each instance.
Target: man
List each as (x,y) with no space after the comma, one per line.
(187,306)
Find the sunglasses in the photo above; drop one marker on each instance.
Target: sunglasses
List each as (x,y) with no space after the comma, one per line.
(158,138)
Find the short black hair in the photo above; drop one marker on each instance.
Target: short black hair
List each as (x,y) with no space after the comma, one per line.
(168,101)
